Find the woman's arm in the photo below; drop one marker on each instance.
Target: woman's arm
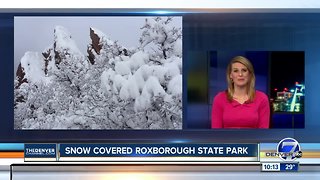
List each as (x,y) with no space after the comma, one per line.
(216,113)
(264,113)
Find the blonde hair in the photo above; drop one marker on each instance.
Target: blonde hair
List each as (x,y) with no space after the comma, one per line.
(251,85)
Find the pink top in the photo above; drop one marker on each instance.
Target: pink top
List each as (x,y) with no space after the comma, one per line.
(226,114)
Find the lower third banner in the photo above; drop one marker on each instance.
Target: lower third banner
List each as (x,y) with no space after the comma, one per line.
(158,152)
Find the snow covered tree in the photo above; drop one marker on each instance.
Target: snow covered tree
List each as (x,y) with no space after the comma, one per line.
(31,92)
(162,38)
(114,87)
(152,80)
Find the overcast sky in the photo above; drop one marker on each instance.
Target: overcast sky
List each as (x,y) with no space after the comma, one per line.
(36,33)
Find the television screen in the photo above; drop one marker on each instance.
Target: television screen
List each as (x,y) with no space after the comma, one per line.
(80,72)
(103,90)
(98,72)
(278,74)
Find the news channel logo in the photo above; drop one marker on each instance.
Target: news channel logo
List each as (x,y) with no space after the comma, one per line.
(289,149)
(40,150)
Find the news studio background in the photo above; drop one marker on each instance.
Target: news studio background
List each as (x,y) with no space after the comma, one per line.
(124,92)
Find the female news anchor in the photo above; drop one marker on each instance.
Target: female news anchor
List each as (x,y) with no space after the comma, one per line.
(240,106)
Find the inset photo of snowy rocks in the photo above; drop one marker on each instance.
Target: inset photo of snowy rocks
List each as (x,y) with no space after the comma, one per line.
(99,73)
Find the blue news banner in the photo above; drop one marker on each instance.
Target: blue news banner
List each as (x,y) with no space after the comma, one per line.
(105,152)
(159,150)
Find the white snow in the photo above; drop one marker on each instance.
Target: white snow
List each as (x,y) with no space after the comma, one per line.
(105,76)
(153,87)
(129,89)
(119,82)
(138,59)
(175,85)
(33,65)
(64,41)
(177,48)
(139,79)
(172,69)
(123,67)
(142,102)
(103,38)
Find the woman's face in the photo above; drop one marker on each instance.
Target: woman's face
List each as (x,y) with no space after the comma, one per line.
(240,74)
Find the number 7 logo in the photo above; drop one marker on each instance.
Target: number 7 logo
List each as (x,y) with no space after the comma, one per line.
(289,149)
